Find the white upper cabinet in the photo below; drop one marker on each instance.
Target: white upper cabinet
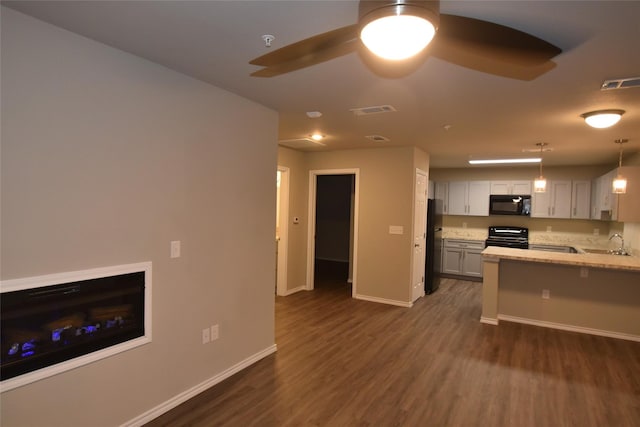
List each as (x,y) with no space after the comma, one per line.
(469,198)
(511,187)
(553,203)
(441,191)
(581,199)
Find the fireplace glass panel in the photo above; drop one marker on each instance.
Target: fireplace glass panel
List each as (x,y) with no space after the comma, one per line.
(48,325)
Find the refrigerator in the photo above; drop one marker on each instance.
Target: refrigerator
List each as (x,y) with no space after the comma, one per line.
(434,246)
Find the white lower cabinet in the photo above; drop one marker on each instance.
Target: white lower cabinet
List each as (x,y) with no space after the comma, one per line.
(462,257)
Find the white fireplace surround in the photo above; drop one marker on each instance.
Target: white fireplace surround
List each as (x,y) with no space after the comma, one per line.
(74,276)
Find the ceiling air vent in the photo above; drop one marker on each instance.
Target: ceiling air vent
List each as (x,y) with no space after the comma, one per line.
(301,143)
(377,138)
(364,111)
(620,83)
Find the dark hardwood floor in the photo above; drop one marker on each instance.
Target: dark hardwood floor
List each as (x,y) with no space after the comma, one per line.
(343,362)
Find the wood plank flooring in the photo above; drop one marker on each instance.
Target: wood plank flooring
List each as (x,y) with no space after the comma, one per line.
(343,362)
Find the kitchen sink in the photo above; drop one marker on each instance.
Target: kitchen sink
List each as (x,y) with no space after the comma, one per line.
(603,251)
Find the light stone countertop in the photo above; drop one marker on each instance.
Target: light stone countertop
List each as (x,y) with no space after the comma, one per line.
(613,262)
(576,240)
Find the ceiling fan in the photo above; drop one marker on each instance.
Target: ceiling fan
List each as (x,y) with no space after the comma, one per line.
(468,42)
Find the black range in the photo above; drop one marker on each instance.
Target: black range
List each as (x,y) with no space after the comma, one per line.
(508,237)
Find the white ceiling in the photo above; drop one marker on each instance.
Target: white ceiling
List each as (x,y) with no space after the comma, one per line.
(489,116)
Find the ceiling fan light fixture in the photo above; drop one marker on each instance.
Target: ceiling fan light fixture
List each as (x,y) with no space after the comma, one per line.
(398,30)
(602,119)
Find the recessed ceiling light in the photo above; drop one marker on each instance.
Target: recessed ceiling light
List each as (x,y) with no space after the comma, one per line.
(504,161)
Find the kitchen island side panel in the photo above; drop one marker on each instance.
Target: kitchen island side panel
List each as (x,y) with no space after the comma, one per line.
(605,300)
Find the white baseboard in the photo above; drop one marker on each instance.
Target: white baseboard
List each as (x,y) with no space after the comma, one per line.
(188,394)
(294,290)
(488,320)
(570,328)
(384,301)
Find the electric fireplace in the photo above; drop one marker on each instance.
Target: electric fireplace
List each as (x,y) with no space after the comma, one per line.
(72,319)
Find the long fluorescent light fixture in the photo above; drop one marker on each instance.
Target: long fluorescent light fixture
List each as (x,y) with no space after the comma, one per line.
(504,161)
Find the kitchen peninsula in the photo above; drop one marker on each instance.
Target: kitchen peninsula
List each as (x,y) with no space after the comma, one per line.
(590,293)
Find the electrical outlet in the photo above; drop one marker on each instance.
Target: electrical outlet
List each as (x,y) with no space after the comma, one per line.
(206,335)
(546,294)
(584,272)
(548,229)
(596,231)
(215,332)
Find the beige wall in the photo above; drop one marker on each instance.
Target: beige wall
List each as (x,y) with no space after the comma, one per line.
(106,158)
(386,198)
(607,299)
(298,201)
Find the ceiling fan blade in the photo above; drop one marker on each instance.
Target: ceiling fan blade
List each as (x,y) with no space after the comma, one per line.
(461,39)
(308,47)
(308,60)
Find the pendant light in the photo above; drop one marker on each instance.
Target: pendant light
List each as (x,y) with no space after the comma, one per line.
(540,183)
(620,183)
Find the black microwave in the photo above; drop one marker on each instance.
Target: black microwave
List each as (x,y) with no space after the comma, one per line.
(509,204)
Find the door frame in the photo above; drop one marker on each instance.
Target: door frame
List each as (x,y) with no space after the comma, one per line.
(311,229)
(422,259)
(283,226)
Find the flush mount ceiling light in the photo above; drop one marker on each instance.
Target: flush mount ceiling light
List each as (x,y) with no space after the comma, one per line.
(503,161)
(398,30)
(602,118)
(317,137)
(620,183)
(540,183)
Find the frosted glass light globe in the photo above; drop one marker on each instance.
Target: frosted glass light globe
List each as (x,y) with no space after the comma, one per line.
(397,37)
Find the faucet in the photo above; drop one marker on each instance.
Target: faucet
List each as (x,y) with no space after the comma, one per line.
(621,250)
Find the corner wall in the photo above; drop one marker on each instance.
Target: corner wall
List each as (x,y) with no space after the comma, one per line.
(106,158)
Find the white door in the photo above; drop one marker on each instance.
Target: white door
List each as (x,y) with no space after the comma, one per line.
(419,235)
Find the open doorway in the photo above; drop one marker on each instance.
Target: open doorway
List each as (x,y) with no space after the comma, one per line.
(333,203)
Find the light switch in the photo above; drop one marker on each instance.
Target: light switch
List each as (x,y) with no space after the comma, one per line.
(396,229)
(175,249)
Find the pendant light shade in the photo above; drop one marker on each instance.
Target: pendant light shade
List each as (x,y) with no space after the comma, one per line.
(602,118)
(397,29)
(620,183)
(540,183)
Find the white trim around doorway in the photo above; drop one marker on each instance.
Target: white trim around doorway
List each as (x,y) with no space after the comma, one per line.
(313,180)
(283,235)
